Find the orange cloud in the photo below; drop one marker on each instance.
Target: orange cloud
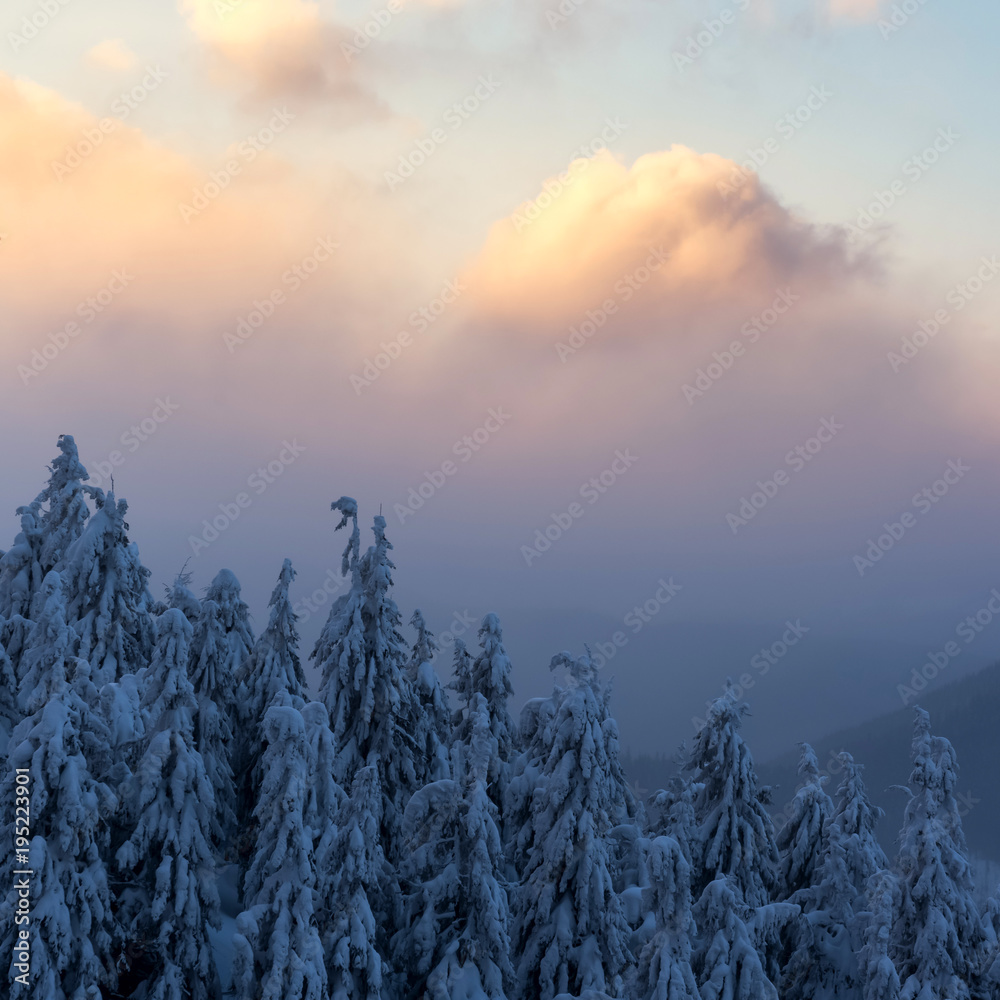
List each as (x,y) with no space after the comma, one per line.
(85,198)
(675,232)
(283,49)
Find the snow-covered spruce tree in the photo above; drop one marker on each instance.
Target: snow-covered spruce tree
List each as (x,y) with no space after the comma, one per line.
(277,949)
(179,595)
(210,672)
(168,858)
(234,614)
(823,964)
(880,980)
(455,940)
(64,502)
(349,886)
(362,659)
(485,941)
(272,668)
(571,935)
(431,723)
(802,840)
(824,959)
(857,818)
(340,629)
(21,566)
(72,927)
(735,834)
(731,967)
(664,971)
(735,840)
(491,679)
(49,525)
(108,603)
(938,940)
(627,834)
(273,664)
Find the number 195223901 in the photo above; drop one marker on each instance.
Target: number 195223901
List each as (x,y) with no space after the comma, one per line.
(22,815)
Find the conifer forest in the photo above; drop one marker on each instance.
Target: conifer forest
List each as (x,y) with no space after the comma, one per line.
(389,836)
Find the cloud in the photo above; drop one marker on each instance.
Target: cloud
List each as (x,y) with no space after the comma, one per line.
(88,197)
(112,54)
(709,233)
(282,49)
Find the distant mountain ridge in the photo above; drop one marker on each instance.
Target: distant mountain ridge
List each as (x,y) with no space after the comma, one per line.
(966,711)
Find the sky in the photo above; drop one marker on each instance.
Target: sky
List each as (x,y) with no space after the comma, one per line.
(669,328)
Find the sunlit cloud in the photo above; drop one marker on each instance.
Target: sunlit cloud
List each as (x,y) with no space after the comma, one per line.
(200,241)
(703,238)
(280,50)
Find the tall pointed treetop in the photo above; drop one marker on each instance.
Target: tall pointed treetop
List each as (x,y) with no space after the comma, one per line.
(271,674)
(857,818)
(802,840)
(735,832)
(491,678)
(108,600)
(362,660)
(939,941)
(274,662)
(66,510)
